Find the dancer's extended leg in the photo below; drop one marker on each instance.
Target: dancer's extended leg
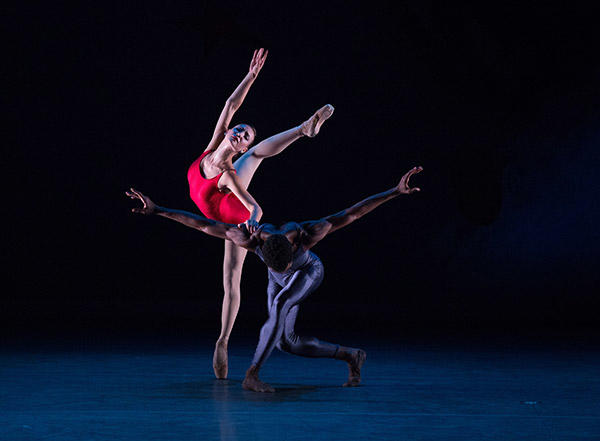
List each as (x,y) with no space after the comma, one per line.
(247,164)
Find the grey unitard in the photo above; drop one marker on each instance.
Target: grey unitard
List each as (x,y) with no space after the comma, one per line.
(285,292)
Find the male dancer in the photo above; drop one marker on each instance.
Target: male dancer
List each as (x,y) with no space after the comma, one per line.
(294,272)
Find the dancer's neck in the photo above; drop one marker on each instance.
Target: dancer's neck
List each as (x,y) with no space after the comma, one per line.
(221,157)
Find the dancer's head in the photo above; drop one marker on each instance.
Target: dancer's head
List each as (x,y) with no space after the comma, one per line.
(241,137)
(277,252)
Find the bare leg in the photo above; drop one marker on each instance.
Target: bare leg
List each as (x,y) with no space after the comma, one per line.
(232,273)
(247,164)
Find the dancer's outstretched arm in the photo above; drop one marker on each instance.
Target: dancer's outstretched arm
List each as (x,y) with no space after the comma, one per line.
(211,227)
(317,230)
(237,98)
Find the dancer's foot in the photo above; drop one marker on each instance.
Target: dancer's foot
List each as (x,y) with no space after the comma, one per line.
(251,382)
(355,362)
(220,359)
(311,126)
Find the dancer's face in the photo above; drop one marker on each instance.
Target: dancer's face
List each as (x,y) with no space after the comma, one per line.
(240,137)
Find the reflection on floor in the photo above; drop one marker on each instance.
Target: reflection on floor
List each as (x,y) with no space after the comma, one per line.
(410,391)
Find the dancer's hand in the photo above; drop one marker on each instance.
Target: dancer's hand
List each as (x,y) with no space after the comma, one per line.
(403,187)
(251,225)
(148,205)
(258,59)
(241,236)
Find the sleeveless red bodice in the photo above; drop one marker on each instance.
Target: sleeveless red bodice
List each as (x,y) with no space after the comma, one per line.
(213,203)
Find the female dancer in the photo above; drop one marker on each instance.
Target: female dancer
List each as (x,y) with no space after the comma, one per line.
(218,186)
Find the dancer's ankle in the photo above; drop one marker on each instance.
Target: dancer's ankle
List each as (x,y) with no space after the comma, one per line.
(252,371)
(301,129)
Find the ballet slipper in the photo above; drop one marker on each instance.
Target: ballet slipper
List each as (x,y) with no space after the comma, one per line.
(220,362)
(311,126)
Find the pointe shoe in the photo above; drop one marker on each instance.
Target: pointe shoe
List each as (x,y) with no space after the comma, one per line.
(356,361)
(220,362)
(311,126)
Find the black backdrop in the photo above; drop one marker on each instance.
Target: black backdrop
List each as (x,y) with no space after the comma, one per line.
(496,100)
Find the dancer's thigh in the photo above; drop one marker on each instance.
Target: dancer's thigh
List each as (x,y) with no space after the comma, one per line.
(233,262)
(272,290)
(297,289)
(246,166)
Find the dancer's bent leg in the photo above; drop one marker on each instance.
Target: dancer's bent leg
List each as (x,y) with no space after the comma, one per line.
(232,273)
(301,345)
(312,347)
(298,288)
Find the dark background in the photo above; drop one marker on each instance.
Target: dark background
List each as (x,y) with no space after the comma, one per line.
(496,100)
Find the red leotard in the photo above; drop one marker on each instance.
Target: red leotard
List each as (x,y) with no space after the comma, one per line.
(213,203)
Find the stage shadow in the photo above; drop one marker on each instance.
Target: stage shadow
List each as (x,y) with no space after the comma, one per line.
(231,390)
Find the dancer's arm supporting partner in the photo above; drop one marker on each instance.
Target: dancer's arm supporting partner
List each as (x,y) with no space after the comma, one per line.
(313,231)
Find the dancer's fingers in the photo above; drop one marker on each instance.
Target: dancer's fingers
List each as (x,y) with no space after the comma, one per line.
(411,172)
(408,175)
(414,190)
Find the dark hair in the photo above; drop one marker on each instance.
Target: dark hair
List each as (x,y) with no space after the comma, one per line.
(277,252)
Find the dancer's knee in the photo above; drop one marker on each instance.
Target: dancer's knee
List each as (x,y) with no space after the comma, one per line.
(304,346)
(231,282)
(288,342)
(284,346)
(231,289)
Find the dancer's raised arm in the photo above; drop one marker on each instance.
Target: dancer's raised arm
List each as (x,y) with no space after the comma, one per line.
(317,230)
(214,228)
(236,99)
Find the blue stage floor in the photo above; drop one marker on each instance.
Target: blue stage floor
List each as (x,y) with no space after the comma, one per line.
(410,392)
